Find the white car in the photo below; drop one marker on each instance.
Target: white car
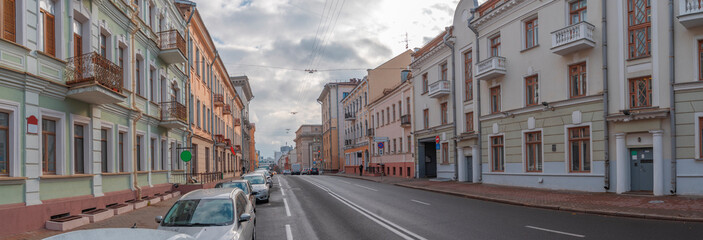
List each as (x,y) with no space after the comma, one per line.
(218,213)
(266,174)
(258,185)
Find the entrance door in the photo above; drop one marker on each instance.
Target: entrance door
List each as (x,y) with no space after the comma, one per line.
(430,160)
(641,169)
(469,168)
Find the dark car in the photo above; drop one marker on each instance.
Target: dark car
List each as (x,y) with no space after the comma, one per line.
(314,171)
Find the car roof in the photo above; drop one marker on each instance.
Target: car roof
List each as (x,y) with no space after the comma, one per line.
(212,193)
(254,174)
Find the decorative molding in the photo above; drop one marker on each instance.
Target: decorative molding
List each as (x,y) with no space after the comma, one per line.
(497,10)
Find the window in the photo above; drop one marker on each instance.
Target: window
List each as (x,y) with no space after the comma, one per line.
(409,143)
(49,146)
(197,62)
(393,112)
(700,60)
(207,159)
(533,151)
(8,20)
(639,28)
(152,87)
(407,105)
(445,153)
(103,45)
(577,11)
(469,122)
(138,69)
(103,149)
(426,118)
(78,146)
(443,69)
(531,33)
(388,115)
(641,92)
(424,83)
(120,151)
(495,46)
(443,113)
(47,9)
(152,20)
(400,144)
(4,144)
(700,137)
(383,117)
(531,91)
(395,144)
(495,99)
(577,80)
(579,149)
(497,161)
(197,123)
(152,153)
(139,154)
(468,77)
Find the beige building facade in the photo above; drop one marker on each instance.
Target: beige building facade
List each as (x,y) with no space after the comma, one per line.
(357,130)
(308,145)
(330,100)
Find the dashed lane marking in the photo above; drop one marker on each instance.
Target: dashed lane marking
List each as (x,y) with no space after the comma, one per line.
(555,231)
(366,187)
(289,234)
(420,202)
(287,209)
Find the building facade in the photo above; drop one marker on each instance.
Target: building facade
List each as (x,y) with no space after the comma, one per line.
(330,100)
(308,143)
(243,89)
(356,128)
(92,105)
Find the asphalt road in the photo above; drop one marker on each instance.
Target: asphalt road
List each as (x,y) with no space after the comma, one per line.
(328,207)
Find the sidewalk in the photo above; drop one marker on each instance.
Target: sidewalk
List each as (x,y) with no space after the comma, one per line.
(678,208)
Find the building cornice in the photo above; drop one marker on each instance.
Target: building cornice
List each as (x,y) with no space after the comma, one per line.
(496,10)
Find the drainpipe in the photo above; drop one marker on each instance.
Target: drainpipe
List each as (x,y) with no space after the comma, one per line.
(606,130)
(478,96)
(190,100)
(672,81)
(445,40)
(135,178)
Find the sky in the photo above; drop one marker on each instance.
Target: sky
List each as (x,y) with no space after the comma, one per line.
(273,42)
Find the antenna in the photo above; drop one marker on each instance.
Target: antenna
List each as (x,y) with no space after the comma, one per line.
(405,40)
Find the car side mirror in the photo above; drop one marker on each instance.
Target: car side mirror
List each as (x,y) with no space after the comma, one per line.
(244,217)
(158,219)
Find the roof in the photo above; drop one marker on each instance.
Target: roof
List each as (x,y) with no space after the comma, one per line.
(327,87)
(439,39)
(213,193)
(243,81)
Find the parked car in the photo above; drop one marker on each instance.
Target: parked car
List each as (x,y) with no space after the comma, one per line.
(304,172)
(268,176)
(218,213)
(259,186)
(295,169)
(121,233)
(286,172)
(241,184)
(314,171)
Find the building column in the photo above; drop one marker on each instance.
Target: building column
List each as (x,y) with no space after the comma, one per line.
(476,164)
(658,188)
(96,165)
(622,164)
(32,164)
(461,160)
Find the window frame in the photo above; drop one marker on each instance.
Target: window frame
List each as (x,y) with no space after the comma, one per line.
(426,118)
(61,131)
(532,83)
(469,119)
(14,18)
(700,59)
(49,43)
(494,45)
(632,28)
(493,147)
(468,76)
(45,161)
(443,113)
(12,109)
(634,93)
(535,32)
(538,153)
(425,84)
(445,153)
(495,104)
(580,70)
(577,12)
(443,69)
(8,148)
(568,152)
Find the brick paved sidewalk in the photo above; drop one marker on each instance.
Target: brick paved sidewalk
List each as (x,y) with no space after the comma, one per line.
(143,217)
(681,208)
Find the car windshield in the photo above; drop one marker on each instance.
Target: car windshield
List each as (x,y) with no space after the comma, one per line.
(255,179)
(200,212)
(239,185)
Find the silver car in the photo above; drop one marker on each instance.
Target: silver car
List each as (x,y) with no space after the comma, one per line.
(266,174)
(218,213)
(259,185)
(241,184)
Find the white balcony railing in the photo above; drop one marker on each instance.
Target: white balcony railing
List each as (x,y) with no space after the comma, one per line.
(439,88)
(691,13)
(573,33)
(491,68)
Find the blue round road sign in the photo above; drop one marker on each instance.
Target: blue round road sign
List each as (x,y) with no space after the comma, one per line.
(380,145)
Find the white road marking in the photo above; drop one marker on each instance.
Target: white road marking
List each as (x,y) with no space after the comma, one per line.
(282,192)
(555,231)
(289,234)
(345,182)
(398,230)
(420,202)
(366,187)
(287,209)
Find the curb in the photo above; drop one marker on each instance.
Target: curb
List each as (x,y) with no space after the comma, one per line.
(559,208)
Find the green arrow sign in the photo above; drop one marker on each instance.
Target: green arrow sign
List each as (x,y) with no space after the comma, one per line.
(186,156)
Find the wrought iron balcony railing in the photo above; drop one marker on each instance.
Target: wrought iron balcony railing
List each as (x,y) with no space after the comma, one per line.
(92,68)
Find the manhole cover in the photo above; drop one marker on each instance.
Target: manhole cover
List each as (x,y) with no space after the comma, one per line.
(656,201)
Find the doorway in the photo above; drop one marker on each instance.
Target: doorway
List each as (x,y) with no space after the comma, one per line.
(641,169)
(469,168)
(427,159)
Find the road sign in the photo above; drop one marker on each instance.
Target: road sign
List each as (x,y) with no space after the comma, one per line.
(380,151)
(437,146)
(380,139)
(186,156)
(380,145)
(436,139)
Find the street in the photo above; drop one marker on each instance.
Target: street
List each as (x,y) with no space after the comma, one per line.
(330,207)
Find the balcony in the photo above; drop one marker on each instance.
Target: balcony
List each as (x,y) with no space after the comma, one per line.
(237,148)
(405,120)
(226,110)
(349,116)
(94,79)
(573,38)
(439,89)
(218,99)
(491,68)
(220,140)
(174,115)
(369,132)
(228,142)
(173,47)
(237,121)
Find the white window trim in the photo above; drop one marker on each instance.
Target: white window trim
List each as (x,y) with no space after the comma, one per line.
(87,144)
(143,156)
(111,143)
(524,89)
(490,104)
(14,132)
(696,58)
(127,151)
(489,37)
(568,75)
(152,161)
(567,12)
(523,148)
(60,118)
(109,43)
(567,149)
(523,32)
(697,135)
(490,152)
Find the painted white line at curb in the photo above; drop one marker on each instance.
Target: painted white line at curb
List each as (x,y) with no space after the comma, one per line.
(287,209)
(289,234)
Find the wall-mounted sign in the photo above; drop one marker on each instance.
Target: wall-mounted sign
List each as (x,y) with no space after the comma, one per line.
(32,125)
